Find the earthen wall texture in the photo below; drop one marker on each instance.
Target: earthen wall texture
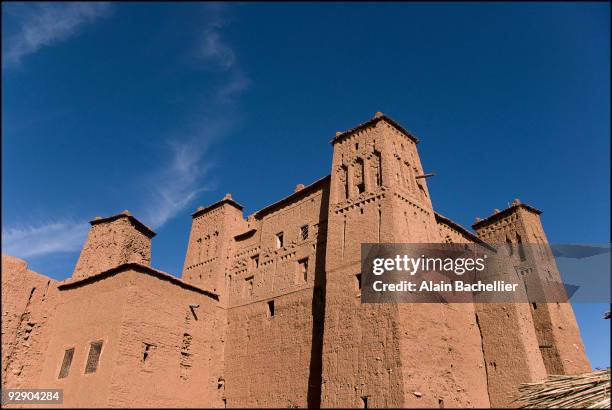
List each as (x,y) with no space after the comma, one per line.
(161,345)
(112,244)
(555,325)
(273,319)
(210,245)
(422,354)
(29,300)
(268,310)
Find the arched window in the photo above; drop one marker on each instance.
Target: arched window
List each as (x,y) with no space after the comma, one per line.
(377,167)
(359,175)
(344,181)
(409,174)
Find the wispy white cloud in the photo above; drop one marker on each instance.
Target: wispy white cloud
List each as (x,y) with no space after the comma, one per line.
(178,179)
(233,87)
(182,179)
(46,24)
(214,51)
(214,48)
(39,240)
(178,184)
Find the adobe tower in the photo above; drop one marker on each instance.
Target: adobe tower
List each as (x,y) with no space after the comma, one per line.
(557,332)
(389,355)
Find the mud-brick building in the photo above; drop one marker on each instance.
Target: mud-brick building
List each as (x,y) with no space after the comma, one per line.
(267,311)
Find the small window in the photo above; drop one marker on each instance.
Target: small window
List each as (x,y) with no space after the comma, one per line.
(255,261)
(344,179)
(147,352)
(279,240)
(270,308)
(358,281)
(377,168)
(68,355)
(360,175)
(304,232)
(302,271)
(94,357)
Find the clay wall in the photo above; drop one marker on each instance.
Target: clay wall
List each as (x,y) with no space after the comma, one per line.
(510,349)
(556,328)
(157,348)
(273,324)
(28,301)
(450,234)
(441,350)
(361,363)
(268,311)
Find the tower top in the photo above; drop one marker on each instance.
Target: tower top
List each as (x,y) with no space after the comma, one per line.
(114,241)
(497,214)
(125,214)
(227,199)
(379,116)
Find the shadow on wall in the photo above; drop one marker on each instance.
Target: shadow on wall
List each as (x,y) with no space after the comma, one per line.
(315,377)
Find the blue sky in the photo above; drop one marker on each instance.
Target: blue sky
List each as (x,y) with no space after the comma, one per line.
(159,108)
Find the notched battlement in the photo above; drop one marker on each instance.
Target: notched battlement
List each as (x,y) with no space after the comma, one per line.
(497,214)
(296,195)
(379,116)
(227,199)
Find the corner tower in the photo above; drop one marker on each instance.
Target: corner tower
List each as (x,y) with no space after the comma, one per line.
(520,227)
(389,355)
(210,242)
(114,241)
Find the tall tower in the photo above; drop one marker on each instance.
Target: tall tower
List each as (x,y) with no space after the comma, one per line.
(210,240)
(114,241)
(389,355)
(519,227)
